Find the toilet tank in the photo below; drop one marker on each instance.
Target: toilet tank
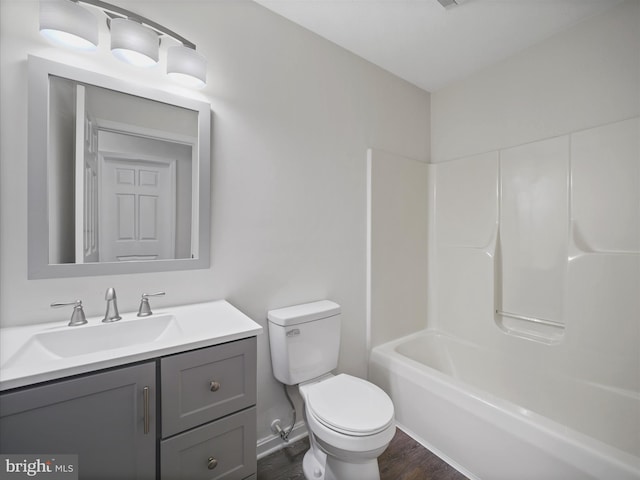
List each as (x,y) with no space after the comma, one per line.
(304,340)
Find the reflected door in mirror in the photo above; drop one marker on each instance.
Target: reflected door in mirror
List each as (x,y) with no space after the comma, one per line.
(138,201)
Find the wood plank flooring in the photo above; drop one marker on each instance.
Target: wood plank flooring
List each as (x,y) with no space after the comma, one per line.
(405,459)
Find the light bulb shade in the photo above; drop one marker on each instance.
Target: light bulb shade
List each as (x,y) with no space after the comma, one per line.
(69,24)
(134,43)
(187,66)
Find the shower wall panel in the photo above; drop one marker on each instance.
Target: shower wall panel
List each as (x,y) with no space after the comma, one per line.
(605,185)
(466,218)
(549,231)
(396,250)
(603,301)
(533,241)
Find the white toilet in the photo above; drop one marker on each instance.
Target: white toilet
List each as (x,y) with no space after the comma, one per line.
(350,421)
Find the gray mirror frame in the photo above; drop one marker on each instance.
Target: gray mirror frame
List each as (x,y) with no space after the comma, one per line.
(39,70)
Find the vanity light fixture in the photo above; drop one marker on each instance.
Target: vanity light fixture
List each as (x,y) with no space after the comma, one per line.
(134,39)
(67,23)
(134,43)
(186,66)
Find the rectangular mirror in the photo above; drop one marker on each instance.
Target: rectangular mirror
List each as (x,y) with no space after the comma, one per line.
(119,176)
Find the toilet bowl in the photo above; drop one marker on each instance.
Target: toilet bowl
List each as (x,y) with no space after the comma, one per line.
(350,421)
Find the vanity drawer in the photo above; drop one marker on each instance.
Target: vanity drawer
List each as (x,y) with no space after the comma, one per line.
(225,449)
(203,385)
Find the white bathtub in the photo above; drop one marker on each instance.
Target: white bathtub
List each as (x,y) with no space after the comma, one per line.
(494,417)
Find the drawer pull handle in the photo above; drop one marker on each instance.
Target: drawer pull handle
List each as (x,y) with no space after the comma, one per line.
(214,386)
(213,463)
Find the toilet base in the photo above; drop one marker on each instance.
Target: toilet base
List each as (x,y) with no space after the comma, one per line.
(331,468)
(312,467)
(337,469)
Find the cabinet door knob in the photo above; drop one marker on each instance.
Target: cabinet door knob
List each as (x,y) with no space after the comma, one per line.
(214,386)
(213,463)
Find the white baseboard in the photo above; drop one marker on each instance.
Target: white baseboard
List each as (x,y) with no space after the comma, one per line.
(273,443)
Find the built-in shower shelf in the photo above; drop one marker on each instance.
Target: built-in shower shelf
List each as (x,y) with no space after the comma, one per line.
(580,246)
(531,328)
(540,321)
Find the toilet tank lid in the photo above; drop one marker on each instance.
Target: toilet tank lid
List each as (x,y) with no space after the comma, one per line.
(306,312)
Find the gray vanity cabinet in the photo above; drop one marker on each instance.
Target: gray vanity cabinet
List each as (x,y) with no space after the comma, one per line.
(205,428)
(108,419)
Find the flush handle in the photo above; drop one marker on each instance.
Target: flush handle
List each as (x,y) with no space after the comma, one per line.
(214,386)
(212,463)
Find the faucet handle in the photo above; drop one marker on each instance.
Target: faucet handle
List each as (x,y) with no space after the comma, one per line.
(145,308)
(77,316)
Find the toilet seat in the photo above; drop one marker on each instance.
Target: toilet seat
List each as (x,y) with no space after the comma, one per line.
(350,406)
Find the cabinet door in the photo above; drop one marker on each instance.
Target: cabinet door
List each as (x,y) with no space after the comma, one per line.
(225,449)
(107,419)
(202,385)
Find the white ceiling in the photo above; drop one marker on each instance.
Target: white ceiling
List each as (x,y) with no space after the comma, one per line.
(431,46)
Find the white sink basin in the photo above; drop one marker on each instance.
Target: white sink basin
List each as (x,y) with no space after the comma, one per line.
(81,341)
(68,342)
(47,351)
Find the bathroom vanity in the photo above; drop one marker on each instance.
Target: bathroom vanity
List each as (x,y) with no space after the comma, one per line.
(187,410)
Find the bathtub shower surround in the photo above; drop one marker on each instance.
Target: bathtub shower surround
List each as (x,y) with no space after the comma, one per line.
(532,348)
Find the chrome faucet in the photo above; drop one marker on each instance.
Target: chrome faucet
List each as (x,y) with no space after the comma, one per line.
(111,315)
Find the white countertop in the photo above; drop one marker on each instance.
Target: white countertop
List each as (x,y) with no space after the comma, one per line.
(25,359)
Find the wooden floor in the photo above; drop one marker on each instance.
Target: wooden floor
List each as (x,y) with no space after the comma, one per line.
(405,459)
